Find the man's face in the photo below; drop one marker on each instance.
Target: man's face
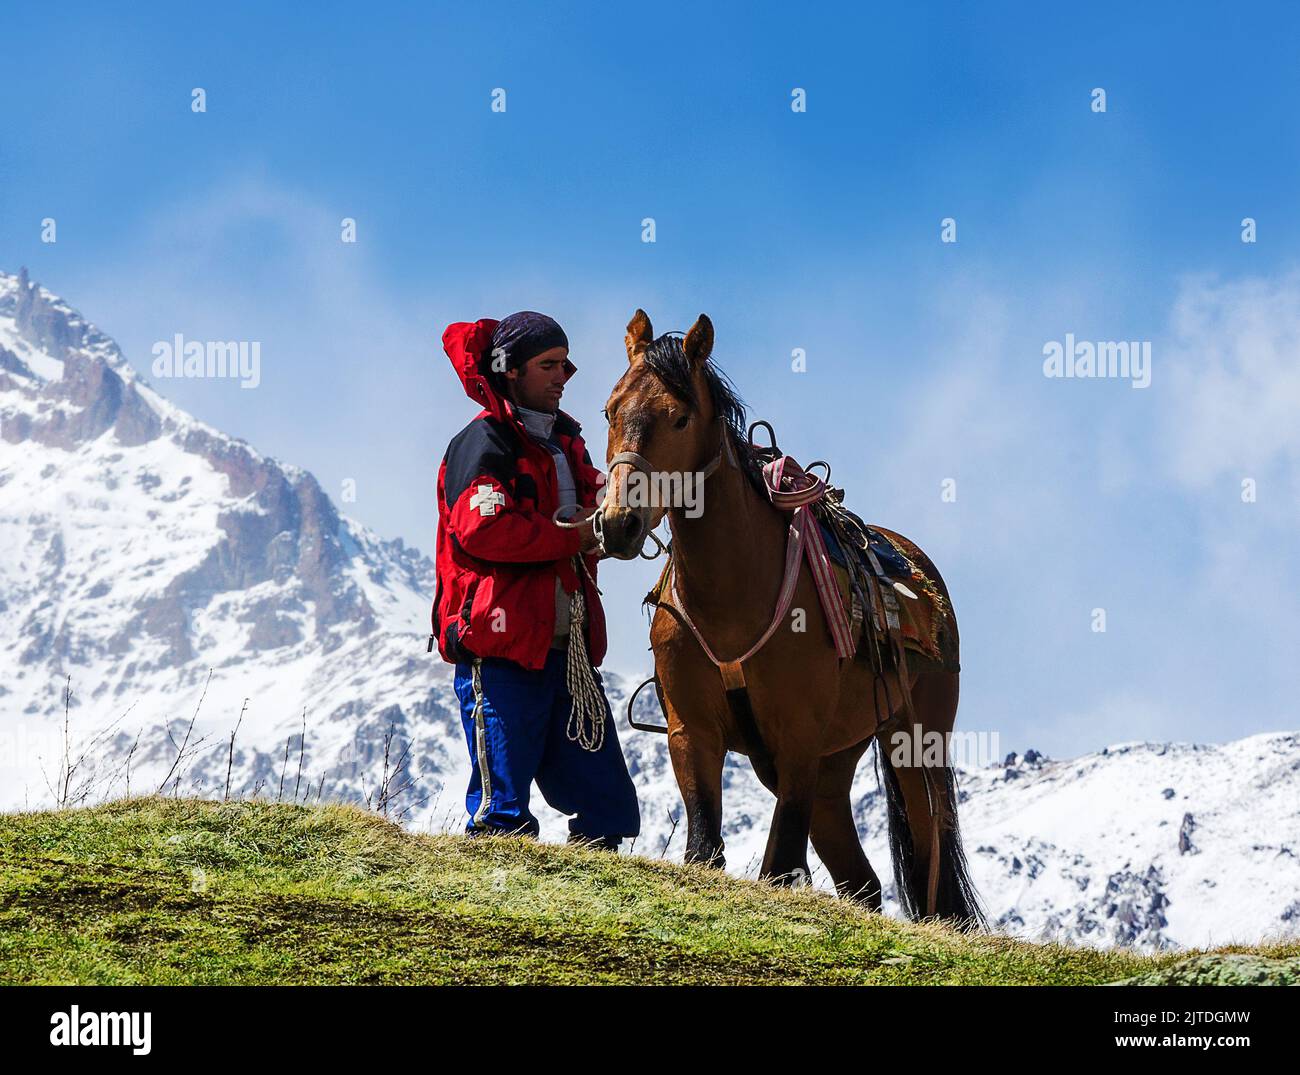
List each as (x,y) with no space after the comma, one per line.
(539,383)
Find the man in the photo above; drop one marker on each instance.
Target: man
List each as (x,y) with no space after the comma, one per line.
(517,610)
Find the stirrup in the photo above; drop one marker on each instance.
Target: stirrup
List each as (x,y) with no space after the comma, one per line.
(772,449)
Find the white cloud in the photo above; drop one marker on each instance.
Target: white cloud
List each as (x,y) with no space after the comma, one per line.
(1233,365)
(353,380)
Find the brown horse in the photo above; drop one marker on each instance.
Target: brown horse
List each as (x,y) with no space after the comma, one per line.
(811,715)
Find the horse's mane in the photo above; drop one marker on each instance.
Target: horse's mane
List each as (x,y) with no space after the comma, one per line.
(667,360)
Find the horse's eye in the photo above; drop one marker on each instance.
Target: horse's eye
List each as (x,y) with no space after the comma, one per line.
(681,422)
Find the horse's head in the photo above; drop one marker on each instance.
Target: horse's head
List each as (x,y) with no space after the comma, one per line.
(663,431)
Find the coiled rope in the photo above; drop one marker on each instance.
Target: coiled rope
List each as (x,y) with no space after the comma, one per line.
(588,710)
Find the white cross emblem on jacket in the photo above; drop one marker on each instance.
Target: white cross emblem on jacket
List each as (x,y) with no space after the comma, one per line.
(487,500)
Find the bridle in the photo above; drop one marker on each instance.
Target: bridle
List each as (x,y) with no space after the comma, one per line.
(640,463)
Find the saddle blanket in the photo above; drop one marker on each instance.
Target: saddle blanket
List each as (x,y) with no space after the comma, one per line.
(921,619)
(894,562)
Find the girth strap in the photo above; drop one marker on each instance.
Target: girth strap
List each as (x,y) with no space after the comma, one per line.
(733,675)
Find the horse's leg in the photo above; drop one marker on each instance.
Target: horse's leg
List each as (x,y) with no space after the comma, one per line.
(786,858)
(934,696)
(697,755)
(835,833)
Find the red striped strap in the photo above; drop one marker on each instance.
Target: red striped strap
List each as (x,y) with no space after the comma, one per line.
(827,589)
(789,487)
(804,539)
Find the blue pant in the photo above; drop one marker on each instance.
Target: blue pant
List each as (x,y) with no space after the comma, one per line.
(515,727)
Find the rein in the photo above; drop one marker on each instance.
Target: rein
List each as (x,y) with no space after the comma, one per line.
(640,463)
(791,489)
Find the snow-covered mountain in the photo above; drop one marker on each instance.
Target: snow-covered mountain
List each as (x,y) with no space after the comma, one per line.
(167,570)
(1146,844)
(140,548)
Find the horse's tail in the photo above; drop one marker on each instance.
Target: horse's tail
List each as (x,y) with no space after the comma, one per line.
(900,836)
(955,897)
(957,900)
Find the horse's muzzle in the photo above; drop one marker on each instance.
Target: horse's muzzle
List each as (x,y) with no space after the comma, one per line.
(622,532)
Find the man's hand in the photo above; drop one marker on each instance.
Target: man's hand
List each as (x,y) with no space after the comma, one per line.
(586,529)
(588,532)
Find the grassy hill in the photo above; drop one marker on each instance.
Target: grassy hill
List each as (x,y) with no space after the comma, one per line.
(190,891)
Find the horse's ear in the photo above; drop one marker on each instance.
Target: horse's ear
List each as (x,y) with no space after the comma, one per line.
(698,344)
(639,334)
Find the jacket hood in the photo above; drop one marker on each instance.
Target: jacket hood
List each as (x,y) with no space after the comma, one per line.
(465,343)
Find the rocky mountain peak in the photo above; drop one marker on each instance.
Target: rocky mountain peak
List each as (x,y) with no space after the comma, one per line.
(262,540)
(68,382)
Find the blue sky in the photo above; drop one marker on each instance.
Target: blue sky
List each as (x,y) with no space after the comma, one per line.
(818,230)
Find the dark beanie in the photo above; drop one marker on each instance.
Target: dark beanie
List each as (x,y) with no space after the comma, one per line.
(518,338)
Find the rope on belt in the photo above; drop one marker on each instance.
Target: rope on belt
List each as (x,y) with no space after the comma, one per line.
(587,711)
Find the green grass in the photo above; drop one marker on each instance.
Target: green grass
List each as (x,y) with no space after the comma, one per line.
(190,891)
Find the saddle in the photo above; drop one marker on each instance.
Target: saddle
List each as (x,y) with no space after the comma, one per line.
(880,586)
(879,605)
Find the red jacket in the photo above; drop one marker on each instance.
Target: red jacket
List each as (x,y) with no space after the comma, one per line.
(499,553)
